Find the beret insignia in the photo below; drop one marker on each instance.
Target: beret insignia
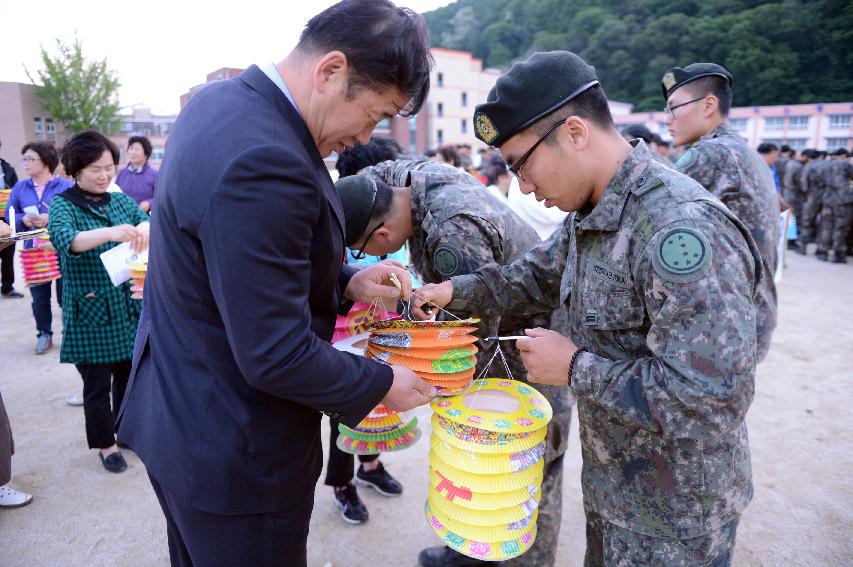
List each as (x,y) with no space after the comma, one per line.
(485,127)
(668,80)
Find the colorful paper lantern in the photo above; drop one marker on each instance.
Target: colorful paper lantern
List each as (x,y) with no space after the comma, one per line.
(41,264)
(137,279)
(486,468)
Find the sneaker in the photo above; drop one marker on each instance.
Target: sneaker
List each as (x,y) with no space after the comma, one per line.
(447,557)
(801,248)
(839,259)
(114,462)
(11,498)
(12,295)
(73,400)
(793,245)
(44,343)
(379,480)
(353,510)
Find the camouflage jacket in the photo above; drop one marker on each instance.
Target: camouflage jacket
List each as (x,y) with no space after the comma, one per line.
(458,227)
(792,190)
(661,277)
(837,174)
(733,172)
(812,180)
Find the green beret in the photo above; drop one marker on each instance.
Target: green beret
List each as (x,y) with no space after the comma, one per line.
(678,76)
(530,90)
(358,195)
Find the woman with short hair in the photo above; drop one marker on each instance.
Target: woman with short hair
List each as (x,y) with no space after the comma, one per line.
(99,319)
(138,178)
(31,199)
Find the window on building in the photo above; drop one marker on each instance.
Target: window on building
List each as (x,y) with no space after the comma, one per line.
(157,154)
(413,135)
(439,109)
(798,122)
(463,126)
(50,130)
(835,143)
(774,123)
(738,124)
(38,128)
(127,127)
(798,143)
(439,137)
(440,79)
(464,99)
(777,141)
(839,121)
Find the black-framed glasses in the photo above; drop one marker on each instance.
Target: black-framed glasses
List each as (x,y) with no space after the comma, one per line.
(360,254)
(515,168)
(669,111)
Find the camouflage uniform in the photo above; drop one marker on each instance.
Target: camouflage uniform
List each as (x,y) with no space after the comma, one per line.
(735,174)
(811,180)
(837,211)
(661,277)
(458,227)
(792,189)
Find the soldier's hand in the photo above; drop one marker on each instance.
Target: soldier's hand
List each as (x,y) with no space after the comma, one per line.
(546,356)
(429,296)
(375,281)
(408,390)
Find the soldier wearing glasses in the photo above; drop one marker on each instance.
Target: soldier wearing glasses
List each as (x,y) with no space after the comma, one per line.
(657,277)
(698,98)
(453,226)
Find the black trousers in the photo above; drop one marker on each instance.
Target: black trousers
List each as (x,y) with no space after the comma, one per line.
(7,269)
(98,381)
(212,540)
(341,466)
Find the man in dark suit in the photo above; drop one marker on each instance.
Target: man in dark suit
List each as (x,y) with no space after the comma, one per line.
(233,365)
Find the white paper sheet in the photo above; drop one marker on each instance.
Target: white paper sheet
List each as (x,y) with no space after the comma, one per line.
(117,262)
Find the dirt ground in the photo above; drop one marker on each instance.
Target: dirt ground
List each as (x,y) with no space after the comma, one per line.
(800,427)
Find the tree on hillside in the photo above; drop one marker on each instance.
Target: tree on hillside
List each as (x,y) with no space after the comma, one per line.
(78,93)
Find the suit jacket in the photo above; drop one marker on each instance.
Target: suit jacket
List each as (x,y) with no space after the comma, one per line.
(232,363)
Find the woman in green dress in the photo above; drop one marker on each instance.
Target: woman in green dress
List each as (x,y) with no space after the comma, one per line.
(99,319)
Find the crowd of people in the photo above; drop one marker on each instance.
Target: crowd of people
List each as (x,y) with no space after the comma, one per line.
(638,273)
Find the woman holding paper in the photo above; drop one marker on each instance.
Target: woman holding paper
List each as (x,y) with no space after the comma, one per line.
(99,318)
(30,199)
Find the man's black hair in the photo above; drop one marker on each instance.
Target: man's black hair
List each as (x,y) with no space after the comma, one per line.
(717,86)
(84,149)
(590,105)
(767,147)
(385,46)
(352,160)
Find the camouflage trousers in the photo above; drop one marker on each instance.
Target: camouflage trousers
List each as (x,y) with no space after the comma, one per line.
(608,545)
(835,223)
(543,551)
(806,226)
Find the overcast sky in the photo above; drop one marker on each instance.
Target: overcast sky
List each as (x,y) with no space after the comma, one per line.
(165,47)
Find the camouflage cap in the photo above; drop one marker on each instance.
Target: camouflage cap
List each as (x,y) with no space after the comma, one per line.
(530,90)
(358,196)
(678,76)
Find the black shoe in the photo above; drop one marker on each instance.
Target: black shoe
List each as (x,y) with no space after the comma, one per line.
(822,255)
(379,480)
(352,508)
(447,557)
(839,259)
(801,248)
(793,245)
(113,462)
(12,295)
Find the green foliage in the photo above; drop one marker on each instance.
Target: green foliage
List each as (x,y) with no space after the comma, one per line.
(79,94)
(780,52)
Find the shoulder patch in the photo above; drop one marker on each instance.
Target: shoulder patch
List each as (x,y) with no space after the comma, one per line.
(447,260)
(686,159)
(485,127)
(682,255)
